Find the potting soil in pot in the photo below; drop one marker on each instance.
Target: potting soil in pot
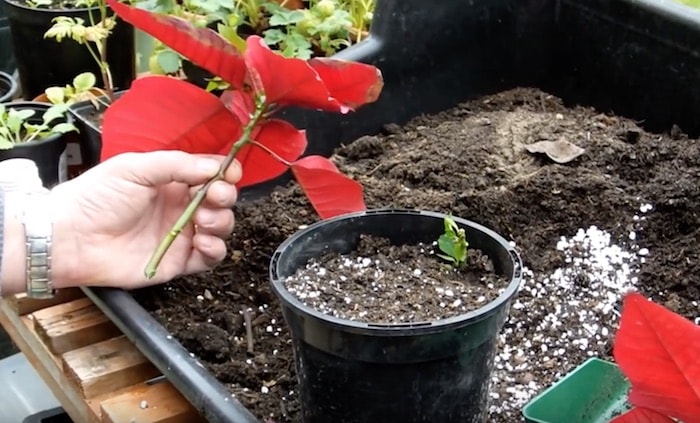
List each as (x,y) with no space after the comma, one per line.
(383,283)
(589,225)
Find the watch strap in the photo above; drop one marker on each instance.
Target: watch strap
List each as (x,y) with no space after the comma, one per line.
(38,232)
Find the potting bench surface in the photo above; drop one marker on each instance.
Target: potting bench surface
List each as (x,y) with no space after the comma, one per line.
(96,373)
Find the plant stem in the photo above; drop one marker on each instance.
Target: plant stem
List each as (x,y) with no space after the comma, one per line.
(186,216)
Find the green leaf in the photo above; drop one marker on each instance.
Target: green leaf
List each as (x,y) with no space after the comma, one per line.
(273,36)
(285,17)
(56,95)
(15,119)
(55,112)
(169,61)
(5,144)
(62,128)
(84,81)
(230,34)
(453,242)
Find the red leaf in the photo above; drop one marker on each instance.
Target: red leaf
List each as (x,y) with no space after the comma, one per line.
(184,117)
(330,192)
(352,84)
(202,46)
(240,103)
(279,136)
(641,415)
(286,81)
(659,351)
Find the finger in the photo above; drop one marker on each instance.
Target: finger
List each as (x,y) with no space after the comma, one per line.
(221,195)
(208,251)
(233,172)
(162,167)
(217,222)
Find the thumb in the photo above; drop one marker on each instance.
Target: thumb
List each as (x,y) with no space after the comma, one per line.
(163,167)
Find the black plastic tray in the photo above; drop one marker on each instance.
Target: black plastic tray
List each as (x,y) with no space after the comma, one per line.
(636,58)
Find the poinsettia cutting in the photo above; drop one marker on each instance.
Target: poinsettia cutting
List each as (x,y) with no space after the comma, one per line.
(164,113)
(659,352)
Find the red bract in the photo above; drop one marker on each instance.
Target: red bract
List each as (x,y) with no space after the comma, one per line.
(659,351)
(641,415)
(284,140)
(330,192)
(184,117)
(349,84)
(340,87)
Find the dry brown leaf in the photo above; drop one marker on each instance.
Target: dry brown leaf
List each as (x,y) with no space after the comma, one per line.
(290,4)
(560,151)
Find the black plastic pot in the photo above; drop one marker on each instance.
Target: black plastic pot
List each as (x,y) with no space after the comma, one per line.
(7,59)
(87,143)
(48,153)
(8,87)
(43,63)
(353,372)
(631,57)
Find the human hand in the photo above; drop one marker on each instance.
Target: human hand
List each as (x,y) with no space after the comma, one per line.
(109,220)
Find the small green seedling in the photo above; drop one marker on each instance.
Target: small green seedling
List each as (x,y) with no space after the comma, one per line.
(83,88)
(453,243)
(16,126)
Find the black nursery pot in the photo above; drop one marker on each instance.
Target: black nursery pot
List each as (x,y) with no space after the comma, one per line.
(85,145)
(350,371)
(48,153)
(8,87)
(7,60)
(43,63)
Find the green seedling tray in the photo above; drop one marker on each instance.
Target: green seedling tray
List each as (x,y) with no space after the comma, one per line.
(594,392)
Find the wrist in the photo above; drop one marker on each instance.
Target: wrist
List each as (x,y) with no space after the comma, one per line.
(13,274)
(64,266)
(66,269)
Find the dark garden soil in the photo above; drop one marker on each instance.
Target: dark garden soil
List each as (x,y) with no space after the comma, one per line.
(622,215)
(384,283)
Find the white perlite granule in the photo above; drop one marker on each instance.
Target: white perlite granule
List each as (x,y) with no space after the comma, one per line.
(569,313)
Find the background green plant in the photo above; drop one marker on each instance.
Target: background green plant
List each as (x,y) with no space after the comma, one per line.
(322,28)
(93,35)
(16,125)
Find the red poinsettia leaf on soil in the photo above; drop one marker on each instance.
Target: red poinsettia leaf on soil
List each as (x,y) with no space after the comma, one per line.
(351,84)
(286,81)
(641,415)
(240,103)
(330,192)
(279,136)
(659,351)
(202,46)
(184,117)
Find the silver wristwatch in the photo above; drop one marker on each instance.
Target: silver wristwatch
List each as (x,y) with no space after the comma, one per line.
(38,229)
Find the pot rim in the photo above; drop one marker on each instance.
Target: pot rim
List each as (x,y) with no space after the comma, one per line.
(12,90)
(471,316)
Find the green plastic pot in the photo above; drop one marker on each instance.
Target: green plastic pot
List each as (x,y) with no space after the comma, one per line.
(594,392)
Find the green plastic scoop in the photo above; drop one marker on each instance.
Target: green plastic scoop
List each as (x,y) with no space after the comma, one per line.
(594,392)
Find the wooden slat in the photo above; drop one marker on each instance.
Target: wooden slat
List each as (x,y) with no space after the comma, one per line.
(73,325)
(158,403)
(104,381)
(21,330)
(107,366)
(21,304)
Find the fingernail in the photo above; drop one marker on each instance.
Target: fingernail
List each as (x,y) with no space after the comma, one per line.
(208,165)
